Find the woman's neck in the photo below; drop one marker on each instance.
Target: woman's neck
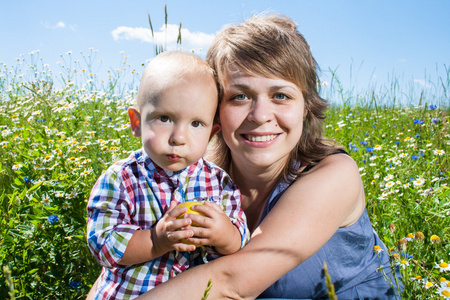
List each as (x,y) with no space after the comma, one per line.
(255,186)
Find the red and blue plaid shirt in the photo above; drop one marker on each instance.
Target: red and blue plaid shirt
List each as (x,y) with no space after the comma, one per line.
(133,194)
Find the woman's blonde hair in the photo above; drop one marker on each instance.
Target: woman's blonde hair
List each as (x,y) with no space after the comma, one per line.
(271,46)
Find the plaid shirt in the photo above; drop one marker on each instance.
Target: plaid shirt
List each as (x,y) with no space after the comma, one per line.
(134,194)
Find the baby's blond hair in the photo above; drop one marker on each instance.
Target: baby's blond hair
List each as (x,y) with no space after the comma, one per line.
(166,68)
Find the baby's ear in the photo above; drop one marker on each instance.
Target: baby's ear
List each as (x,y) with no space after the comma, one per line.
(215,129)
(135,121)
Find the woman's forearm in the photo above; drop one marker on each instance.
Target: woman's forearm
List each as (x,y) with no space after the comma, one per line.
(243,275)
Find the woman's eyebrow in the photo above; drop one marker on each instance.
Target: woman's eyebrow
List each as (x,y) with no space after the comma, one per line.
(240,86)
(279,87)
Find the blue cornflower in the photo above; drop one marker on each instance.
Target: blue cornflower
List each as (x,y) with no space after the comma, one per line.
(366,133)
(397,143)
(369,149)
(421,153)
(432,107)
(418,122)
(415,156)
(417,136)
(74,284)
(355,149)
(363,143)
(407,255)
(52,219)
(363,161)
(26,179)
(435,120)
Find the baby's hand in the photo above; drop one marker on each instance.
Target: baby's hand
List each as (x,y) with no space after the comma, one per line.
(169,231)
(214,229)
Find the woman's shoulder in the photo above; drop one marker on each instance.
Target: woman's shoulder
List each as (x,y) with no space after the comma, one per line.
(336,178)
(339,162)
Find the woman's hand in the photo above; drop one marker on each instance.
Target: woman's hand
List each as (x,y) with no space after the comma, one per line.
(214,229)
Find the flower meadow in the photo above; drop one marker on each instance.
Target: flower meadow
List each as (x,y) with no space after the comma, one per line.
(61,130)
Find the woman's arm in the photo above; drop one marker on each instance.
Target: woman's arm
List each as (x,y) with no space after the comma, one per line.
(331,195)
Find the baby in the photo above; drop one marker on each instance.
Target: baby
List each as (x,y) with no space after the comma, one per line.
(133,230)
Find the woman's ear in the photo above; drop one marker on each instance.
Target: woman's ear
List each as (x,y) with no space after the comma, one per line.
(135,121)
(215,129)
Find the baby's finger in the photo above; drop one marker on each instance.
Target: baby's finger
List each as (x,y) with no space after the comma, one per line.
(178,224)
(172,205)
(178,235)
(198,241)
(207,209)
(176,212)
(199,220)
(214,206)
(184,247)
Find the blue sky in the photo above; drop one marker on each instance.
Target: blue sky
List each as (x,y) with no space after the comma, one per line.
(365,42)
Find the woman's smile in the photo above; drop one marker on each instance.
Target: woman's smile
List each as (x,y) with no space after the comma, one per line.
(260,138)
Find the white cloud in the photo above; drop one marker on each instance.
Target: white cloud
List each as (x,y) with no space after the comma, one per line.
(48,25)
(60,25)
(190,40)
(422,83)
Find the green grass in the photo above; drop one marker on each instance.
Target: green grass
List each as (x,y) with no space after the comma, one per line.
(56,141)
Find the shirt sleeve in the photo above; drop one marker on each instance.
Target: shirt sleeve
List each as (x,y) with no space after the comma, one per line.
(109,209)
(231,204)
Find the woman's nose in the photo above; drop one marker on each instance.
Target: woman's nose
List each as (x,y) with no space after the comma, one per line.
(261,111)
(178,136)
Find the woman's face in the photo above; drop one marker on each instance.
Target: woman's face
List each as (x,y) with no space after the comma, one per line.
(261,118)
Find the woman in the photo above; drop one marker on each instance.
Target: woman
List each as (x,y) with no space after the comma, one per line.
(303,196)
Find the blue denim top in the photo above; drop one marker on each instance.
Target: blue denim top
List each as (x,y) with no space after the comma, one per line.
(351,261)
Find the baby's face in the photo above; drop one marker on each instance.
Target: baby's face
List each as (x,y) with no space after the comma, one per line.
(176,127)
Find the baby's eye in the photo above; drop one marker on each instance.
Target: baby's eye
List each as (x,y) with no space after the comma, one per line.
(196,124)
(280,96)
(164,119)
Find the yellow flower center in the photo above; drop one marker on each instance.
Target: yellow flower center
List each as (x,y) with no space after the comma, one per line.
(443,264)
(418,277)
(429,284)
(445,293)
(434,238)
(442,279)
(410,236)
(403,262)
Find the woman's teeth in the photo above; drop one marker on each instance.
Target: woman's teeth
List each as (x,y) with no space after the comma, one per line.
(260,138)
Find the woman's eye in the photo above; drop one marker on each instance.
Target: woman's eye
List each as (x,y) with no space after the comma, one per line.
(164,119)
(196,124)
(240,97)
(280,96)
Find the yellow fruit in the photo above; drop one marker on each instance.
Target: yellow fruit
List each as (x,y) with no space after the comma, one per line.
(189,205)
